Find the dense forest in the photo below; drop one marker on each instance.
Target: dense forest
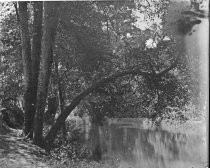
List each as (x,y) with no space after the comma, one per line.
(104,59)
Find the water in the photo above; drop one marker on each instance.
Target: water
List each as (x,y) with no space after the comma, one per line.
(128,143)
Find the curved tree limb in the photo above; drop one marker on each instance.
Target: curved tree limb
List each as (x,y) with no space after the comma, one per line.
(62,117)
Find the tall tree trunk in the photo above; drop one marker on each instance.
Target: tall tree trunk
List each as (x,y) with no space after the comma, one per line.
(27,63)
(50,20)
(35,56)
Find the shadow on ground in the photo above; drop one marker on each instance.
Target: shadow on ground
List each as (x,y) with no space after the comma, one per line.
(16,153)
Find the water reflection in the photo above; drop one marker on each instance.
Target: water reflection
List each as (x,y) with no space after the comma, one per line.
(138,147)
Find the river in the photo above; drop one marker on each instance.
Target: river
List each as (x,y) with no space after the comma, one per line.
(130,143)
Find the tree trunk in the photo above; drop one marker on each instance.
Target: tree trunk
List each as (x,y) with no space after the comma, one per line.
(51,10)
(35,56)
(27,63)
(60,98)
(52,107)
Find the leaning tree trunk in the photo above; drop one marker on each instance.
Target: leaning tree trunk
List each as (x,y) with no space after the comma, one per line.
(50,21)
(27,63)
(50,137)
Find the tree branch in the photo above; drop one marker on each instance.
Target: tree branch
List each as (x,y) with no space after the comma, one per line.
(173,65)
(61,118)
(16,10)
(134,71)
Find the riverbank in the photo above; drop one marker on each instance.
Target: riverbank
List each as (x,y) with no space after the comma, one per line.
(15,152)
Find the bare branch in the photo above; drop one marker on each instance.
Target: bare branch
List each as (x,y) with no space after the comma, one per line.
(16,10)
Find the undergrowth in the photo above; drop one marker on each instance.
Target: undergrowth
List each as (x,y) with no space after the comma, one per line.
(72,152)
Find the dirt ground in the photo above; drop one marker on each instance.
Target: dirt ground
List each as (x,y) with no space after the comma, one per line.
(15,152)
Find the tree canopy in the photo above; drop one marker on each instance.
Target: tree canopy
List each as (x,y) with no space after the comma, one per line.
(107,58)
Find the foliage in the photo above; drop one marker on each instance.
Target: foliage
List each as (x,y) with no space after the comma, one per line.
(13,117)
(96,39)
(110,30)
(10,66)
(72,147)
(189,112)
(10,54)
(138,96)
(72,152)
(79,164)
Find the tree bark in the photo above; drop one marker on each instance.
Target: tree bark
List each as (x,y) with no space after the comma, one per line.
(35,56)
(60,98)
(16,11)
(51,10)
(27,63)
(52,107)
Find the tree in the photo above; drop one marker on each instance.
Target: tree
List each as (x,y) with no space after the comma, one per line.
(62,117)
(100,51)
(31,58)
(35,56)
(157,66)
(27,64)
(51,15)
(136,70)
